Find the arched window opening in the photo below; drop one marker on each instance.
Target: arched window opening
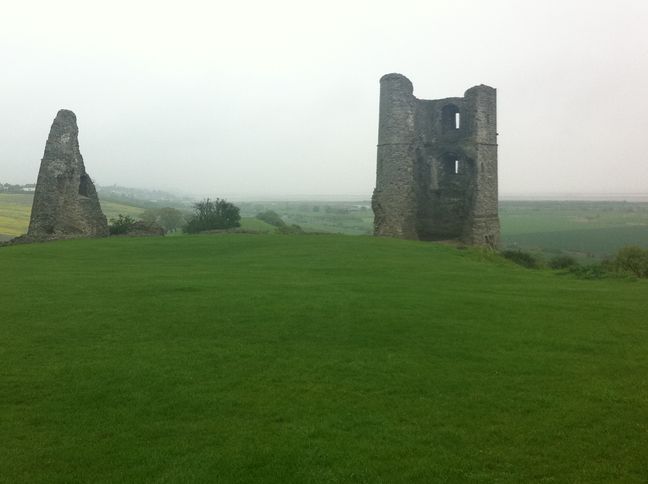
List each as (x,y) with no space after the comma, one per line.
(450,117)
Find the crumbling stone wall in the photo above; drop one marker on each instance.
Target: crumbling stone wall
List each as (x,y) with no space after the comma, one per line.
(65,200)
(436,176)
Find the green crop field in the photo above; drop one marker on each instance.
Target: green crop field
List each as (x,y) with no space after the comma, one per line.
(16,208)
(314,358)
(586,229)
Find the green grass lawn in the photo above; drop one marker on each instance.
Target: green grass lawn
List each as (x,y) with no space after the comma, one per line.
(267,358)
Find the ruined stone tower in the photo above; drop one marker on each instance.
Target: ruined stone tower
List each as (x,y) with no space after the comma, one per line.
(436,176)
(65,200)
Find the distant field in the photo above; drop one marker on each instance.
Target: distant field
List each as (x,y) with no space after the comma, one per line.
(15,210)
(588,229)
(583,229)
(352,218)
(14,214)
(281,359)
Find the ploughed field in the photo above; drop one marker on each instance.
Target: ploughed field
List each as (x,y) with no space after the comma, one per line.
(314,358)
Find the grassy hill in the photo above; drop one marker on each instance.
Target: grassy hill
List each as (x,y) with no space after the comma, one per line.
(266,358)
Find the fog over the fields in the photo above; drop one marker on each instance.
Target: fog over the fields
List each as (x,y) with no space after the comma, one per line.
(270,98)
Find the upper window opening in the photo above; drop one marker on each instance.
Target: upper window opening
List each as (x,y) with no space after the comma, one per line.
(457,167)
(450,117)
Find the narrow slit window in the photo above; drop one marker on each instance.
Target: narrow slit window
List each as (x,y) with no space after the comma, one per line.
(457,166)
(450,118)
(457,120)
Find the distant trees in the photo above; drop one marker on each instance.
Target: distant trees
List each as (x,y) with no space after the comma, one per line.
(127,225)
(170,219)
(9,188)
(271,217)
(562,262)
(633,259)
(213,214)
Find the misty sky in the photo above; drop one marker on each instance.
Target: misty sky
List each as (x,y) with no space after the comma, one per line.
(270,98)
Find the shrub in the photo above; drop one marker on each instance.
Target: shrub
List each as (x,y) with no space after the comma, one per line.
(592,271)
(562,262)
(523,259)
(632,259)
(121,225)
(290,229)
(271,217)
(211,215)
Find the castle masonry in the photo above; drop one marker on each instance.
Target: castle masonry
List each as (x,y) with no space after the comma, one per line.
(436,174)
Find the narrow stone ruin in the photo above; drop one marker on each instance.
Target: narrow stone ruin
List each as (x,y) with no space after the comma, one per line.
(65,201)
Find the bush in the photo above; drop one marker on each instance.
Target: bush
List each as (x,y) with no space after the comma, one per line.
(632,259)
(290,229)
(271,217)
(212,215)
(523,259)
(562,262)
(592,271)
(121,225)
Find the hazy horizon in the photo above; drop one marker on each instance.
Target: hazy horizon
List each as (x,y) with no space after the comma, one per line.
(269,100)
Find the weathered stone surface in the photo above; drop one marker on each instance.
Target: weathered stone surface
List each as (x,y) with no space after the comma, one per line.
(65,201)
(436,176)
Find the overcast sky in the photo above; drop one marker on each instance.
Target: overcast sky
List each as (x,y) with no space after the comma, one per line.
(271,98)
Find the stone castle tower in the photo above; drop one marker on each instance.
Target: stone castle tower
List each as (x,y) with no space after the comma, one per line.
(436,176)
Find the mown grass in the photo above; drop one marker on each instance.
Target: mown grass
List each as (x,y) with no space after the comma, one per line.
(267,358)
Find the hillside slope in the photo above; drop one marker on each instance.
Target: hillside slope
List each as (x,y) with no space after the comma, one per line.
(266,358)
